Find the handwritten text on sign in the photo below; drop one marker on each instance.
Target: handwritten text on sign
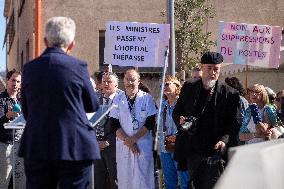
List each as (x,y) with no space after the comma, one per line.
(135,44)
(251,44)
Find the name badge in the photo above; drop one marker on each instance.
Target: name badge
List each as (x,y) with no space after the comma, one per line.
(135,124)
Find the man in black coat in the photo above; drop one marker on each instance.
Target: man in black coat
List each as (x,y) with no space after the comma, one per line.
(215,106)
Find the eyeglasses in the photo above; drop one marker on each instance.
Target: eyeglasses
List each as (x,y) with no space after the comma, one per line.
(107,81)
(167,84)
(130,79)
(254,92)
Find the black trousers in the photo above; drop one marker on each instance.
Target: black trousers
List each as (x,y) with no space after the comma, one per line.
(58,174)
(203,176)
(105,170)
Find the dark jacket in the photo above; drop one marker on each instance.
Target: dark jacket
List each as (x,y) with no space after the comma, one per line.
(6,135)
(109,134)
(56,94)
(225,103)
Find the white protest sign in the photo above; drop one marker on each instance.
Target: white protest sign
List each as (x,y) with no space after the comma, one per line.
(136,44)
(250,44)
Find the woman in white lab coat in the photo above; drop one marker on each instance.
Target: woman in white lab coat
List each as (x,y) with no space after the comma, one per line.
(133,120)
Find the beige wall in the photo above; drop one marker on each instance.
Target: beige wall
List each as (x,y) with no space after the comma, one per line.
(82,13)
(26,28)
(13,56)
(254,12)
(271,78)
(91,15)
(23,31)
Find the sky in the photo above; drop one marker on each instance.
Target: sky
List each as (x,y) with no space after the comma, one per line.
(2,34)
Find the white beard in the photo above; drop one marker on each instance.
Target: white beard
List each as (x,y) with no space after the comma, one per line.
(209,84)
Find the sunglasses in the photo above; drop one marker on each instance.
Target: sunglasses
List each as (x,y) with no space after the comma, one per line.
(254,92)
(167,84)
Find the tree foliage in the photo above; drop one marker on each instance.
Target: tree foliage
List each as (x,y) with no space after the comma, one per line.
(192,37)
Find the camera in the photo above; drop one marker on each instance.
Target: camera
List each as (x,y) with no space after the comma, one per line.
(189,124)
(100,134)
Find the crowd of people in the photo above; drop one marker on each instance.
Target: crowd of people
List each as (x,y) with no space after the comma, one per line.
(199,121)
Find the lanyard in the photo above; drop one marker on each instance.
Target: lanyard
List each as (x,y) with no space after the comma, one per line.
(131,106)
(209,97)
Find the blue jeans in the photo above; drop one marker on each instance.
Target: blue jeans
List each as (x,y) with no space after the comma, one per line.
(171,174)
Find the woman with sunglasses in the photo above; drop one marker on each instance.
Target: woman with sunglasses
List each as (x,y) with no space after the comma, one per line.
(168,130)
(259,116)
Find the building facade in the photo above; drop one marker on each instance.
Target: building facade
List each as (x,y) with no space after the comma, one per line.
(26,18)
(260,12)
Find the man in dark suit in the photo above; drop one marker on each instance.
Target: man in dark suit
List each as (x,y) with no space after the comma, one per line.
(58,145)
(215,106)
(105,168)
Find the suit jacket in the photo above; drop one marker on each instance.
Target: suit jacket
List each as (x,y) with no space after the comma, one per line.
(109,133)
(225,107)
(56,94)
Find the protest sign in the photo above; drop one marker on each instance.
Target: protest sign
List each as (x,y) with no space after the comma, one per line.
(136,44)
(250,44)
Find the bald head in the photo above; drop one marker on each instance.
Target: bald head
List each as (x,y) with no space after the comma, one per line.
(131,82)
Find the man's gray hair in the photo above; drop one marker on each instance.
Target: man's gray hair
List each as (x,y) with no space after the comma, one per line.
(60,31)
(111,74)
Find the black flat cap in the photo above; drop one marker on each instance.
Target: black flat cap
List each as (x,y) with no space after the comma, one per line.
(211,58)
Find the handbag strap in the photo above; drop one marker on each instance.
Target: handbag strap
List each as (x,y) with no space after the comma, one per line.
(165,119)
(278,120)
(208,99)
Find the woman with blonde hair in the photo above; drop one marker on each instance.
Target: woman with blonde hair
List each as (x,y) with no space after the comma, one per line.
(259,116)
(167,136)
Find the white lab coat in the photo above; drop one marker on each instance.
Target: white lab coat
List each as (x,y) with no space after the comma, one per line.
(134,171)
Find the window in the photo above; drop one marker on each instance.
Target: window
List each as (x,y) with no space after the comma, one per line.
(10,31)
(27,50)
(22,2)
(22,60)
(101,46)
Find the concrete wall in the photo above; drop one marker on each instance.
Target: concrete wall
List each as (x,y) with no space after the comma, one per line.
(25,31)
(91,15)
(254,12)
(24,26)
(271,78)
(13,53)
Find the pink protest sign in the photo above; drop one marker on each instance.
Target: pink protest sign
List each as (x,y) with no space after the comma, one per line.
(250,44)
